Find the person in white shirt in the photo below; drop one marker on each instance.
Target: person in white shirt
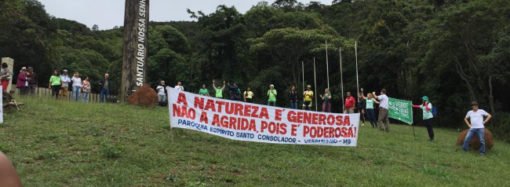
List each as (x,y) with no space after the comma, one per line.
(475,121)
(161,92)
(383,120)
(77,84)
(179,86)
(65,79)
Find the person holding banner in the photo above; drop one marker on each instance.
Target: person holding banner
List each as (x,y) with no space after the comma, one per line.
(271,94)
(426,107)
(326,100)
(179,86)
(248,95)
(370,109)
(383,120)
(218,90)
(203,91)
(350,103)
(293,97)
(475,121)
(307,98)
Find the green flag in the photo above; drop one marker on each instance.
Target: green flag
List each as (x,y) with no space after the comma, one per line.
(401,110)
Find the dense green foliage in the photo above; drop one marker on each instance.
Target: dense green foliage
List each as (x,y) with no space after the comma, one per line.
(451,50)
(60,143)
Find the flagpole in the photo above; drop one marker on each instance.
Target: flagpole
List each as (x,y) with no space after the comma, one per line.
(303,68)
(315,82)
(327,62)
(357,74)
(341,77)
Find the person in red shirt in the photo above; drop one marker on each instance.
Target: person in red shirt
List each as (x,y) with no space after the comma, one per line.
(350,102)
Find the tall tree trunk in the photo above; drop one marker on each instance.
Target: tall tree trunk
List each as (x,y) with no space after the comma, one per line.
(465,78)
(491,97)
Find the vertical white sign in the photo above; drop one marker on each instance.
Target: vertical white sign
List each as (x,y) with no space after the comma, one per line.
(2,105)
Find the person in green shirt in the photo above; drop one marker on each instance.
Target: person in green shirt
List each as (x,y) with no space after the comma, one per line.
(271,94)
(370,101)
(218,90)
(203,91)
(426,107)
(55,83)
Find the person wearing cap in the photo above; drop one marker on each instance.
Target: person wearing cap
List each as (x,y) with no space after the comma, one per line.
(476,122)
(22,81)
(426,107)
(64,90)
(271,95)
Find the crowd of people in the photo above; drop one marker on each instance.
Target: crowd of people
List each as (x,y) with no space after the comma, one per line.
(61,83)
(366,105)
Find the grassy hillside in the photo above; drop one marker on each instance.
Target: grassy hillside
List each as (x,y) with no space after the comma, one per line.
(57,143)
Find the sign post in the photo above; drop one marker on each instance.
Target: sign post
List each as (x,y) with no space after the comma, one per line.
(136,24)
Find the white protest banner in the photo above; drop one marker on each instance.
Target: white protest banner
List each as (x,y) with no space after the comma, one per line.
(258,123)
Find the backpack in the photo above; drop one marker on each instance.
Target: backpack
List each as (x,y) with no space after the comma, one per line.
(434,111)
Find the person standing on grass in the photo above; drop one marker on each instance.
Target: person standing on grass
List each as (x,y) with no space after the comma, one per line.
(77,84)
(248,95)
(55,84)
(179,86)
(32,83)
(475,121)
(326,100)
(350,103)
(370,109)
(383,120)
(5,76)
(271,95)
(218,91)
(105,88)
(86,89)
(293,97)
(22,81)
(204,91)
(362,106)
(64,77)
(426,107)
(308,98)
(161,89)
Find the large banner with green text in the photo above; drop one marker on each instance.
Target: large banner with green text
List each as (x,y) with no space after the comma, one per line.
(401,110)
(259,123)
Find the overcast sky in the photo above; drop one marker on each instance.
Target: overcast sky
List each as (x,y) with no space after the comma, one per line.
(109,13)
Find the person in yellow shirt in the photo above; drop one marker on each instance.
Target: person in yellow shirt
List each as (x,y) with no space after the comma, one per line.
(307,98)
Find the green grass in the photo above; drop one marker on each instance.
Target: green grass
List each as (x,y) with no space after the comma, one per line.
(57,143)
